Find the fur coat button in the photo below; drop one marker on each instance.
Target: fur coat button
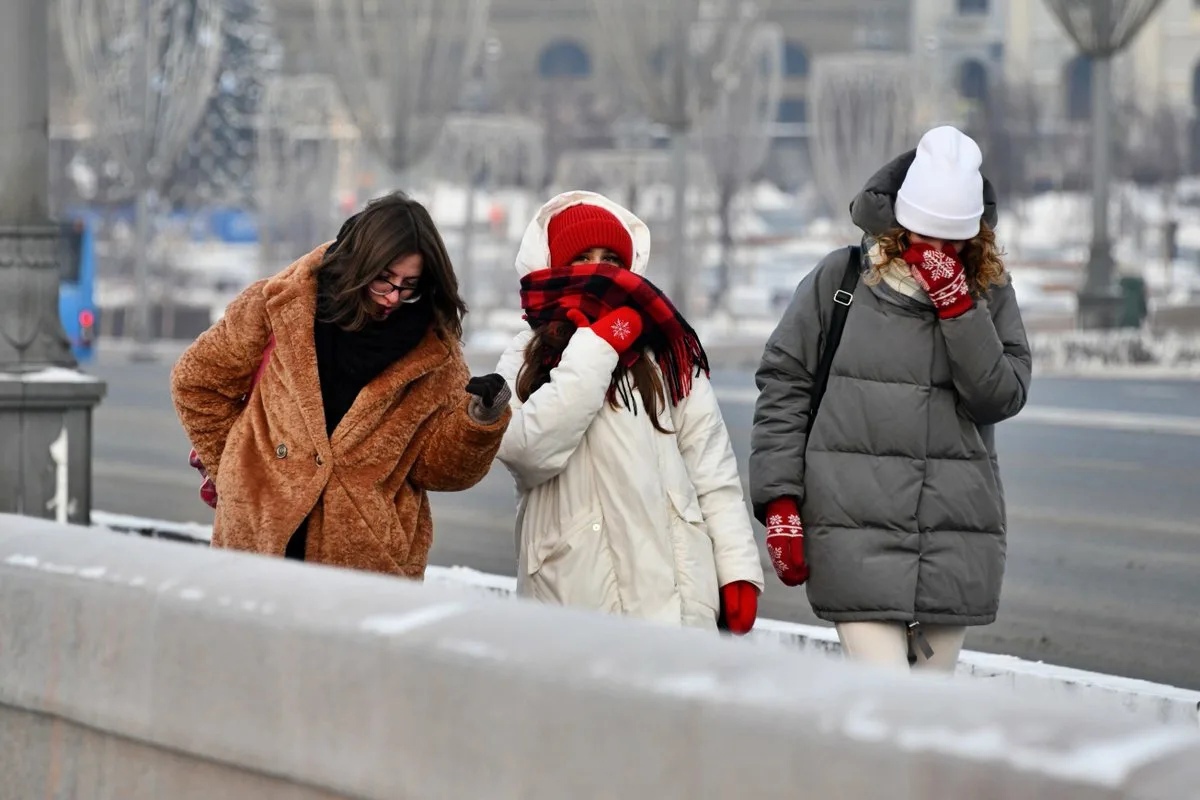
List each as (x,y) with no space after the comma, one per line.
(281,451)
(320,461)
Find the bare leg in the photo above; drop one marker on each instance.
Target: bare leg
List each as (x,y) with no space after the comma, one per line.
(947,642)
(882,643)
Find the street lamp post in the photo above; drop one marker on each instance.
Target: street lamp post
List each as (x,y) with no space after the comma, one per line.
(1101,29)
(45,404)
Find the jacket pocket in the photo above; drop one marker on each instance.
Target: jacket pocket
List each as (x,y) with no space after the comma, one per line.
(575,566)
(695,562)
(686,507)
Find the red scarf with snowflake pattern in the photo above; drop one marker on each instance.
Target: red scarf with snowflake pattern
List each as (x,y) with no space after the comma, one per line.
(597,289)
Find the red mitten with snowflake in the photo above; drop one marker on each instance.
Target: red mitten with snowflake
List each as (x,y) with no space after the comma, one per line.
(620,328)
(785,541)
(739,606)
(942,276)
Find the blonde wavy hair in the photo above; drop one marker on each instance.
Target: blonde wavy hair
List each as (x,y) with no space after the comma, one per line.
(981,256)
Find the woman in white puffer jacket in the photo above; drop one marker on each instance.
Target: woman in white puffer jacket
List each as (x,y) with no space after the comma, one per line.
(629,496)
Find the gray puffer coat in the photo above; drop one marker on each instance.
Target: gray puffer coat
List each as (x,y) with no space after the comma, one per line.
(897,482)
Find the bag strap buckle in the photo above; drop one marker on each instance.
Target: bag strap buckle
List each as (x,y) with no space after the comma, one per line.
(842,297)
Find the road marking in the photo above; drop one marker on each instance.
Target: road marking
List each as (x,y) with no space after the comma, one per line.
(184,477)
(138,416)
(1054,415)
(1132,525)
(1110,420)
(1010,462)
(473,519)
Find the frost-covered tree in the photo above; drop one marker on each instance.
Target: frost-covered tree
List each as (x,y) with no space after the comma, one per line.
(217,166)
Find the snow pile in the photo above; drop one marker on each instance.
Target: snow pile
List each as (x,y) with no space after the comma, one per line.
(49,375)
(1100,351)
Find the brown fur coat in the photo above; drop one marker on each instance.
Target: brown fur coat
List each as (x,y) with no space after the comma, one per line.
(364,492)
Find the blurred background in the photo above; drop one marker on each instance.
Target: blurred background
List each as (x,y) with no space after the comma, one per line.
(198,145)
(204,143)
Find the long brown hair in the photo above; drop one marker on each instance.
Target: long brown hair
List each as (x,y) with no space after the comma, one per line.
(981,256)
(389,228)
(546,347)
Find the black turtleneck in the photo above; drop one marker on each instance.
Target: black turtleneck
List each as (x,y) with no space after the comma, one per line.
(349,360)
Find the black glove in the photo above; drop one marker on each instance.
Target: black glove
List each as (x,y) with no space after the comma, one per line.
(487,388)
(491,397)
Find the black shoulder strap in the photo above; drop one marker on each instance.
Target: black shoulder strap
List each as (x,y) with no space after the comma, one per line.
(842,299)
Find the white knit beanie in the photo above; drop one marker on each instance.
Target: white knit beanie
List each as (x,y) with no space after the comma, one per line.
(942,194)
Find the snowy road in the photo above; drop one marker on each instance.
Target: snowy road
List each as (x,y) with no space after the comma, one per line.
(1103,480)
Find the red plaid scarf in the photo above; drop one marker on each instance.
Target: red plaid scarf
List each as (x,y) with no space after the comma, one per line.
(597,289)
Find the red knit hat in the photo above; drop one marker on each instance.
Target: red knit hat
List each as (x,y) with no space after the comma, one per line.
(582,227)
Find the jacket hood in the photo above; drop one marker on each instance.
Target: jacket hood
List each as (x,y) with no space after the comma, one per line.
(874,209)
(534,253)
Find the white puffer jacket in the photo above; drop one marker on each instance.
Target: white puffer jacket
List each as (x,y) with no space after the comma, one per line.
(612,514)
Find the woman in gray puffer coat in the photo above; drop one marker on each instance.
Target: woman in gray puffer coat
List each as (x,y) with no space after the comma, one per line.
(889,501)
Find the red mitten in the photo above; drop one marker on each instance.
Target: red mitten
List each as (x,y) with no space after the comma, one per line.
(785,541)
(942,276)
(739,606)
(620,328)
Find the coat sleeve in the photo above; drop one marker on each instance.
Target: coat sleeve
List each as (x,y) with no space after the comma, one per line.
(547,428)
(989,357)
(456,452)
(785,383)
(712,467)
(214,373)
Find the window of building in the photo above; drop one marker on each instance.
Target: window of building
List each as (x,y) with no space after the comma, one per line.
(973,81)
(793,109)
(972,6)
(795,60)
(564,59)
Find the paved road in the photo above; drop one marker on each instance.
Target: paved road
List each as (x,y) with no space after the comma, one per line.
(1103,481)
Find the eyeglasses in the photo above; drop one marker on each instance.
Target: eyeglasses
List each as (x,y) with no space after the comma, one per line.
(382,287)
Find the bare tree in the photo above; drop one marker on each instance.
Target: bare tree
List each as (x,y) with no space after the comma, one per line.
(574,117)
(1152,152)
(862,106)
(401,66)
(145,69)
(678,53)
(217,165)
(488,149)
(302,130)
(627,173)
(735,135)
(1008,129)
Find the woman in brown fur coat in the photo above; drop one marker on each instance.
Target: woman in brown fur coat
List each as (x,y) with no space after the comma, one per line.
(365,403)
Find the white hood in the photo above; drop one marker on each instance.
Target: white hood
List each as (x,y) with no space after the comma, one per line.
(535,247)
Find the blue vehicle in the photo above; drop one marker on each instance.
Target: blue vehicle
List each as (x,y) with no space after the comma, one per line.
(76,287)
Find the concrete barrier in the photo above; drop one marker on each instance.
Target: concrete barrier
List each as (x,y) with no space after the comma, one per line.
(132,668)
(1150,701)
(1122,695)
